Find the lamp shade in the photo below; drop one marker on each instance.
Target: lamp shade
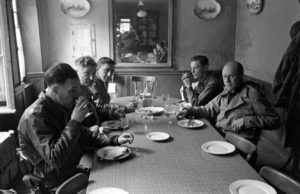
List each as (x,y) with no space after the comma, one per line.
(141,13)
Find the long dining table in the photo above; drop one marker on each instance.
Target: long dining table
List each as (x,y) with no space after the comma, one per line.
(177,165)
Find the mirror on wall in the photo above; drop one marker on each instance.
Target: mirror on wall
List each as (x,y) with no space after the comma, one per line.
(142,33)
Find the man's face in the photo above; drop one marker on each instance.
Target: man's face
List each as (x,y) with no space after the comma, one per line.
(68,92)
(106,72)
(198,70)
(232,80)
(87,74)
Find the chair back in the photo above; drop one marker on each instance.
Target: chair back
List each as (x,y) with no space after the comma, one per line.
(140,81)
(74,184)
(280,180)
(244,145)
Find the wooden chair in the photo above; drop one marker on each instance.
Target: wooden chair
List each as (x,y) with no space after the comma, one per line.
(280,181)
(74,184)
(246,147)
(140,80)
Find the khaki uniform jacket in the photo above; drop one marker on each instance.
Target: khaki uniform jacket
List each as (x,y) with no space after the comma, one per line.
(247,104)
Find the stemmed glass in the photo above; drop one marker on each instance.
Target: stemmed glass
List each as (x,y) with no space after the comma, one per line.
(165,98)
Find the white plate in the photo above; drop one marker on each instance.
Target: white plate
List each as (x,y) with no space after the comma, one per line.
(207,9)
(75,8)
(108,190)
(247,186)
(113,152)
(194,123)
(150,110)
(181,105)
(115,124)
(218,147)
(158,136)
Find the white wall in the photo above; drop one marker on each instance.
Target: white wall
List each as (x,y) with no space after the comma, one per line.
(55,29)
(262,39)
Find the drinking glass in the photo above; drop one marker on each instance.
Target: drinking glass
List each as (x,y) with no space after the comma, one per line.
(165,98)
(169,111)
(138,95)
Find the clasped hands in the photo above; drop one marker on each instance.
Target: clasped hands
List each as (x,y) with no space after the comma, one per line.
(236,125)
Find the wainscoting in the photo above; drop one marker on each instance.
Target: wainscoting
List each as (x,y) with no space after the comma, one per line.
(37,80)
(24,96)
(166,82)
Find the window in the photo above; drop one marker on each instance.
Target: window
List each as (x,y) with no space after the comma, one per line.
(124,25)
(2,78)
(7,102)
(18,40)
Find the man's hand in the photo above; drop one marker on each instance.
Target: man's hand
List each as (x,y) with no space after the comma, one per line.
(119,112)
(104,130)
(80,110)
(187,79)
(238,124)
(94,128)
(130,107)
(125,138)
(183,113)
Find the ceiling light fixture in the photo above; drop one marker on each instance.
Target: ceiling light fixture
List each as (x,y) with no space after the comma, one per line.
(141,13)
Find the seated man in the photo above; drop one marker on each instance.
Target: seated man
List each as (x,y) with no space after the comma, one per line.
(199,85)
(239,108)
(160,52)
(105,72)
(86,68)
(51,136)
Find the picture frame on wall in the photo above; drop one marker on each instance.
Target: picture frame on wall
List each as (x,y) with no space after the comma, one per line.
(254,6)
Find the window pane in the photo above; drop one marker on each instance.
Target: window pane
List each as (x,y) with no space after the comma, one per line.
(1,51)
(2,83)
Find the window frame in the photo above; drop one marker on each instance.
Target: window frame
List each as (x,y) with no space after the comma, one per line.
(9,108)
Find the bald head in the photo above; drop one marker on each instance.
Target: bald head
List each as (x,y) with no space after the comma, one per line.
(232,74)
(295,28)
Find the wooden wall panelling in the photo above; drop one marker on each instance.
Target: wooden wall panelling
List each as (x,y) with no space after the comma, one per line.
(37,79)
(167,82)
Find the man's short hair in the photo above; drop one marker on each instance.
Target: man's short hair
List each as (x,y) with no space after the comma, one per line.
(105,60)
(203,60)
(85,61)
(58,73)
(161,44)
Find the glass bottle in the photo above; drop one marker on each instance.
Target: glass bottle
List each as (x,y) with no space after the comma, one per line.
(147,95)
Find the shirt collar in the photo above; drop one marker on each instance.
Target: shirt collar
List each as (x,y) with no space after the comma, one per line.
(58,108)
(242,91)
